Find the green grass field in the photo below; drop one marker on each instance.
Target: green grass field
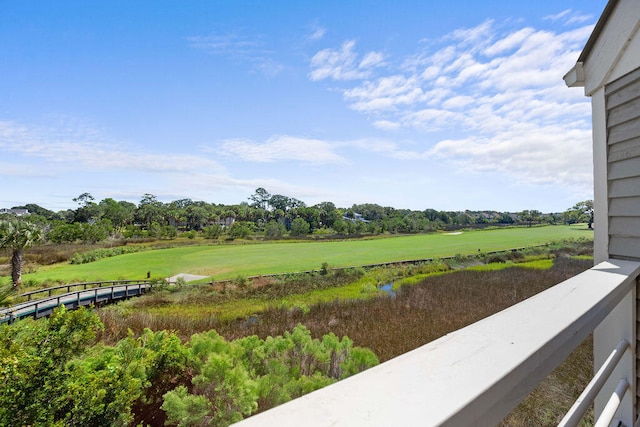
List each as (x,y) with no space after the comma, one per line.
(228,261)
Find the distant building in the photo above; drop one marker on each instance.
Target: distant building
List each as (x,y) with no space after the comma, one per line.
(15,212)
(356,217)
(226,222)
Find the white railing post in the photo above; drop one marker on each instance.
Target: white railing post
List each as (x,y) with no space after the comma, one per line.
(586,399)
(614,402)
(620,323)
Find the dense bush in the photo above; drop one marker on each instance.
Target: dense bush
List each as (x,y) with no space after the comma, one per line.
(235,379)
(62,232)
(54,374)
(33,367)
(91,256)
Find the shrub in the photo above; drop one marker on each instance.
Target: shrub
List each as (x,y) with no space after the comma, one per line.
(94,255)
(191,234)
(234,379)
(299,227)
(494,259)
(324,269)
(212,231)
(241,282)
(274,230)
(368,288)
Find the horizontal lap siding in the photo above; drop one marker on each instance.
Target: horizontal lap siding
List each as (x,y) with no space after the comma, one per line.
(623,175)
(623,140)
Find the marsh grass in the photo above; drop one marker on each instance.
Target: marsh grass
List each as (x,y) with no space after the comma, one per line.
(430,302)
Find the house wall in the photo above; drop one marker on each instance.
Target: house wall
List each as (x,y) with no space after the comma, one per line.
(622,111)
(611,69)
(622,99)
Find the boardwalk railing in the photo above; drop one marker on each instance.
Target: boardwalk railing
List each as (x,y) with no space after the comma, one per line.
(84,285)
(478,374)
(86,294)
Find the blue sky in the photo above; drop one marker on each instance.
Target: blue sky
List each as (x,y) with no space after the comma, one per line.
(412,104)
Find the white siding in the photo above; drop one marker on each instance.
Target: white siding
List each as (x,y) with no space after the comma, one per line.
(623,142)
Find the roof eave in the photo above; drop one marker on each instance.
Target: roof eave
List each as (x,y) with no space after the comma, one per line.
(575,76)
(602,21)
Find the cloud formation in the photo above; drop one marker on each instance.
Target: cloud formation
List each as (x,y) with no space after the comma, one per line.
(344,63)
(241,48)
(569,17)
(283,148)
(494,90)
(317,33)
(87,149)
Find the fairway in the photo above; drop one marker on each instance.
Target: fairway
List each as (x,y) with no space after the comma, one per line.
(228,261)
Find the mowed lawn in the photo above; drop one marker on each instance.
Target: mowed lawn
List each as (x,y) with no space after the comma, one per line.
(228,261)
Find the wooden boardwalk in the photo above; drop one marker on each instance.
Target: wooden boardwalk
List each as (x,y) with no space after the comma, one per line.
(42,302)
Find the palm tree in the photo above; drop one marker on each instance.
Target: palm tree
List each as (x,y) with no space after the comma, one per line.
(17,235)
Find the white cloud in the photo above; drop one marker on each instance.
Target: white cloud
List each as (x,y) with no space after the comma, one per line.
(242,48)
(511,41)
(532,155)
(558,16)
(85,149)
(476,36)
(227,44)
(371,59)
(578,19)
(317,33)
(283,148)
(495,90)
(342,64)
(385,93)
(569,17)
(386,125)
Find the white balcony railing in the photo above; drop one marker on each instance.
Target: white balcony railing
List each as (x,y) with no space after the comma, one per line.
(478,374)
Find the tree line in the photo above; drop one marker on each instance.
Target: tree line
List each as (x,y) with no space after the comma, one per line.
(271,216)
(268,216)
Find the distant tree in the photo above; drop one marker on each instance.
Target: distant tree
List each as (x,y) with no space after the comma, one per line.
(310,215)
(260,198)
(17,235)
(536,216)
(63,232)
(240,230)
(278,201)
(242,211)
(585,212)
(328,213)
(505,218)
(431,214)
(88,210)
(274,230)
(197,217)
(369,211)
(93,233)
(150,210)
(339,226)
(299,227)
(119,213)
(212,231)
(526,217)
(84,199)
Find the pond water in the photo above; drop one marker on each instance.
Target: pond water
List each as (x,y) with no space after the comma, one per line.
(388,288)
